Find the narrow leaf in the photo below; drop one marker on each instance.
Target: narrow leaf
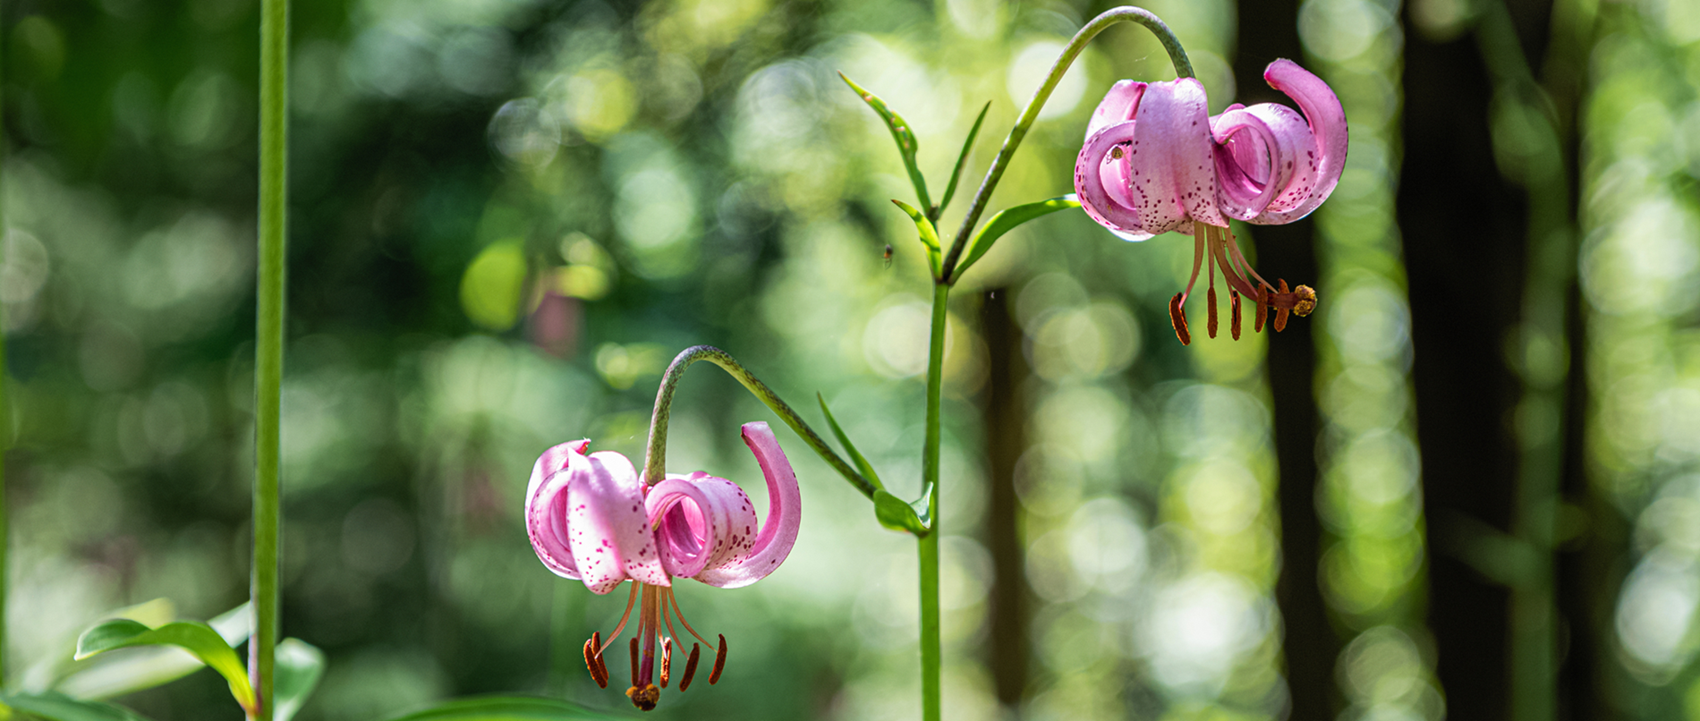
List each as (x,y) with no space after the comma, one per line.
(299,667)
(195,637)
(929,235)
(896,514)
(900,134)
(1007,220)
(59,707)
(506,708)
(862,464)
(961,160)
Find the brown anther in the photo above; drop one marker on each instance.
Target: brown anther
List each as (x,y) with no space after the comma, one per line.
(666,659)
(1262,309)
(719,661)
(1177,318)
(1234,314)
(634,665)
(1306,302)
(690,668)
(1281,313)
(1210,298)
(593,659)
(644,698)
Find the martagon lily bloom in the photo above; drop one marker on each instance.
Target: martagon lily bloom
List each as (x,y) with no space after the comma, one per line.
(1155,161)
(592,518)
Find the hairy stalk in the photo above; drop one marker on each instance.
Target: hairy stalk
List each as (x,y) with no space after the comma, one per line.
(928,545)
(268,351)
(654,464)
(1183,69)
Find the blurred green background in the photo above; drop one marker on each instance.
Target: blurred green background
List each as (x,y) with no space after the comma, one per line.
(1469,482)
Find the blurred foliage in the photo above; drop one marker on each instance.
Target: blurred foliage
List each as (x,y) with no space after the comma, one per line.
(507,215)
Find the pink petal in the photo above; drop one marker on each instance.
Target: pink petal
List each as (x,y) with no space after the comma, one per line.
(1174,173)
(1118,105)
(1327,128)
(1101,181)
(545,507)
(701,521)
(1250,169)
(784,516)
(605,524)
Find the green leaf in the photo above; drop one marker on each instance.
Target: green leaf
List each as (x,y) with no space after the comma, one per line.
(299,667)
(59,707)
(105,676)
(929,235)
(506,708)
(897,514)
(900,134)
(862,464)
(1005,221)
(961,160)
(193,636)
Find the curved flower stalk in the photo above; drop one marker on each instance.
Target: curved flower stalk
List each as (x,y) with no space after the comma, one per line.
(1155,161)
(592,518)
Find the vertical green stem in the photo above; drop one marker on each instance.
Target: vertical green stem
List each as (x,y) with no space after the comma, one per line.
(5,419)
(268,351)
(928,545)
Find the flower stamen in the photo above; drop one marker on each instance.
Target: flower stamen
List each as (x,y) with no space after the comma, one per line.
(690,668)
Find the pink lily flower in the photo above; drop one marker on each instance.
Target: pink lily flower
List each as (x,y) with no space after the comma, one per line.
(1155,161)
(592,518)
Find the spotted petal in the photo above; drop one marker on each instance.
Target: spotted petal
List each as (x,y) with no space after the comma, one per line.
(1325,130)
(586,518)
(784,516)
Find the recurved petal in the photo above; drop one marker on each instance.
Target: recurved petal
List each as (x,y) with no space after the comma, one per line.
(784,516)
(1101,174)
(606,525)
(1250,165)
(545,507)
(1327,126)
(1173,172)
(1118,105)
(700,521)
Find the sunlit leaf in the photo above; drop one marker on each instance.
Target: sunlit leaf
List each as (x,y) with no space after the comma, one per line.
(862,464)
(109,675)
(961,160)
(897,514)
(900,134)
(929,234)
(1006,220)
(299,667)
(59,707)
(195,637)
(506,708)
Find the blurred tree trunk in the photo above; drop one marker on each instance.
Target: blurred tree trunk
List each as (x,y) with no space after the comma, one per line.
(1465,228)
(1268,29)
(1007,646)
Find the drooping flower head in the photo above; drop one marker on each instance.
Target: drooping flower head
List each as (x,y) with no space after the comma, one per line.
(1156,161)
(592,518)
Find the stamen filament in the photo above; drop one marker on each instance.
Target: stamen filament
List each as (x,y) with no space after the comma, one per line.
(630,600)
(687,624)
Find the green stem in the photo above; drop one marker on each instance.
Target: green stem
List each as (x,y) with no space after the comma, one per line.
(655,463)
(1183,69)
(928,545)
(268,351)
(5,424)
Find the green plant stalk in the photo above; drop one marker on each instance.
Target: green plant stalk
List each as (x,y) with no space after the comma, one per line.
(1183,69)
(268,347)
(5,417)
(655,462)
(927,546)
